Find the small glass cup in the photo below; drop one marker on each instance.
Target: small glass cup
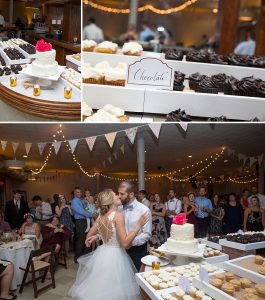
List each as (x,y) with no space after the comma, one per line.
(155,265)
(36,90)
(13,81)
(67,92)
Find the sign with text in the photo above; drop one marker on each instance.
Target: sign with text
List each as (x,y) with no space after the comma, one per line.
(150,72)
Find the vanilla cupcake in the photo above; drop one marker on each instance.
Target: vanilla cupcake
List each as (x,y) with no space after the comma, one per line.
(179,293)
(245,283)
(163,286)
(89,45)
(91,75)
(86,110)
(132,48)
(192,292)
(107,47)
(115,76)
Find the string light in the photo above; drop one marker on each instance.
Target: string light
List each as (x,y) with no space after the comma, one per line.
(118,178)
(44,163)
(141,9)
(234,180)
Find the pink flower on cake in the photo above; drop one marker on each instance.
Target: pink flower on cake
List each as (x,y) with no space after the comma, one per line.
(180,219)
(42,46)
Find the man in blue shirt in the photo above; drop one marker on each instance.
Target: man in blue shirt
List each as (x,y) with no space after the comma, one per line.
(146,34)
(80,215)
(205,208)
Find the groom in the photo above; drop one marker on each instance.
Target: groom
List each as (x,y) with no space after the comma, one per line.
(132,211)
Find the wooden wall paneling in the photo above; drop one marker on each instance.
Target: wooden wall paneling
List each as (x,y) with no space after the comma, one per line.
(260,48)
(72,22)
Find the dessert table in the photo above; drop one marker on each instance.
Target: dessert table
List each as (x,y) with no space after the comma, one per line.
(17,253)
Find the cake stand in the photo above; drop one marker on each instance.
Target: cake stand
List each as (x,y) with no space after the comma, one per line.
(182,258)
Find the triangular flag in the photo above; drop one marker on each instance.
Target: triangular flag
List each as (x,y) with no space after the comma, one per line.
(41,147)
(110,137)
(222,177)
(3,144)
(252,160)
(245,160)
(122,148)
(73,144)
(104,163)
(56,146)
(115,154)
(15,146)
(109,159)
(131,134)
(240,157)
(27,147)
(184,125)
(155,127)
(91,141)
(260,159)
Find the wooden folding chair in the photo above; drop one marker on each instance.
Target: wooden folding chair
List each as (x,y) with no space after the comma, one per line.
(34,266)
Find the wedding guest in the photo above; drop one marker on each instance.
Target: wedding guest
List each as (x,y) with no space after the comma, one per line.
(43,210)
(244,198)
(93,32)
(254,192)
(254,216)
(6,277)
(191,209)
(91,207)
(142,198)
(173,208)
(31,228)
(159,232)
(64,212)
(15,210)
(233,219)
(80,215)
(132,209)
(216,217)
(33,211)
(151,199)
(146,34)
(55,233)
(130,34)
(204,209)
(4,226)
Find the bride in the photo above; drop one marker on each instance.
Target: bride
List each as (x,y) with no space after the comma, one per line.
(108,272)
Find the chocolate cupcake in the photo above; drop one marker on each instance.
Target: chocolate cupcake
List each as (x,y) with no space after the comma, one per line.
(178,116)
(215,58)
(219,79)
(174,54)
(261,90)
(248,86)
(228,85)
(194,80)
(207,85)
(178,81)
(197,56)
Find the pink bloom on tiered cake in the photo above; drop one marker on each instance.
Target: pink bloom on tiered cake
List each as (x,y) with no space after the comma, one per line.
(42,46)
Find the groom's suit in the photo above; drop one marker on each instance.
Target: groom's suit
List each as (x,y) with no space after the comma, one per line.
(132,214)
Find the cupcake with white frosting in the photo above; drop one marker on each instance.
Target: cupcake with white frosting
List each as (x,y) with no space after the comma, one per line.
(89,45)
(107,47)
(132,48)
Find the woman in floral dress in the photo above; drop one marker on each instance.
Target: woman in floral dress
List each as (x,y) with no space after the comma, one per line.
(159,233)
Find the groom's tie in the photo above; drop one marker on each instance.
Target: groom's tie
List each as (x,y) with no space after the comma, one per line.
(127,206)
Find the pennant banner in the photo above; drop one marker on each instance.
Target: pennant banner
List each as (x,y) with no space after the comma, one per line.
(260,159)
(73,144)
(56,146)
(110,137)
(222,177)
(91,142)
(252,160)
(122,149)
(15,146)
(131,134)
(155,127)
(41,147)
(3,145)
(27,147)
(184,126)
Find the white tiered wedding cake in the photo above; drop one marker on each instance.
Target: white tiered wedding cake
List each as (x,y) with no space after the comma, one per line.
(45,64)
(182,236)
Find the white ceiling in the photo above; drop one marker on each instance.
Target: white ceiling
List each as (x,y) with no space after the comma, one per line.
(168,153)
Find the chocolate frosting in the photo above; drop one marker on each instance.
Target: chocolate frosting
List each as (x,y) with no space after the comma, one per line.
(179,116)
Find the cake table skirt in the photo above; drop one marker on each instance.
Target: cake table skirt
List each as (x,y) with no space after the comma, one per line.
(68,111)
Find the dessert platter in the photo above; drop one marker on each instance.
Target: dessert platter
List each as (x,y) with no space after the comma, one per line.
(214,256)
(231,285)
(11,54)
(43,88)
(206,90)
(168,279)
(27,49)
(74,61)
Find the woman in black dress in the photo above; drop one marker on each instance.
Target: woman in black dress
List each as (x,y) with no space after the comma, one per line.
(254,216)
(216,218)
(233,219)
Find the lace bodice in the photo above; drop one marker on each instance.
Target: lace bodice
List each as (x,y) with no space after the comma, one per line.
(30,229)
(108,231)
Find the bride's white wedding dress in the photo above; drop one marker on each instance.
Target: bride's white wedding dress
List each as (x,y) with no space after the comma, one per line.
(107,273)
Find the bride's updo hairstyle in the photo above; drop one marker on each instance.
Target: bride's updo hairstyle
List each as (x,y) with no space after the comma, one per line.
(105,201)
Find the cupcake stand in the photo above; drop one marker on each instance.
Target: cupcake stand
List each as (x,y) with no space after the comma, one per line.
(161,102)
